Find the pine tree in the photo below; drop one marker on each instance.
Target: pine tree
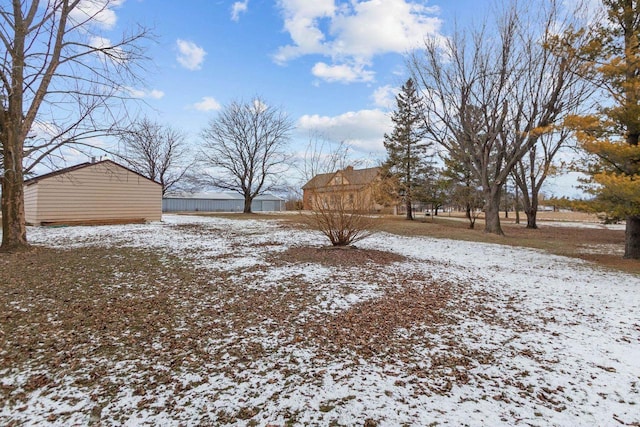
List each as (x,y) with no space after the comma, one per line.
(407,159)
(612,61)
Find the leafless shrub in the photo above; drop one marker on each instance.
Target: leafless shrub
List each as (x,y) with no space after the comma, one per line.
(343,217)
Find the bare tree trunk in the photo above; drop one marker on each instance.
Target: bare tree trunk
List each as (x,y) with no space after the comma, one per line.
(532,211)
(517,204)
(247,204)
(409,210)
(506,202)
(632,238)
(470,218)
(492,212)
(14,230)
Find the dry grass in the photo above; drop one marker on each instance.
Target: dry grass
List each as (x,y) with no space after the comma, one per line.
(602,246)
(599,245)
(78,314)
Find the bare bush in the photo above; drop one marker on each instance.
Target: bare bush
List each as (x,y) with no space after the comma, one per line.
(338,203)
(343,217)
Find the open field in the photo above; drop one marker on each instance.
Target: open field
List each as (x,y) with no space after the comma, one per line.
(571,234)
(225,320)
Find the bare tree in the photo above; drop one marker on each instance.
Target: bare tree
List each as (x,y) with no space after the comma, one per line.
(531,172)
(245,146)
(343,217)
(491,92)
(60,82)
(466,85)
(551,90)
(158,152)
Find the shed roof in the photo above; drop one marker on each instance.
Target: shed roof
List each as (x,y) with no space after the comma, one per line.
(59,172)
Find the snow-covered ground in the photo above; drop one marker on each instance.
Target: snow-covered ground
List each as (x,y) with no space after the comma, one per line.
(561,338)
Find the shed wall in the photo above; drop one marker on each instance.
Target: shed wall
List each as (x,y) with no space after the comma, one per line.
(218,205)
(201,205)
(100,192)
(31,204)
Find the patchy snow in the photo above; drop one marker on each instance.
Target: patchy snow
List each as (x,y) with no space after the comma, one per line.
(563,337)
(583,224)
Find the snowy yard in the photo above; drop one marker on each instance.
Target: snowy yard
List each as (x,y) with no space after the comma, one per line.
(212,321)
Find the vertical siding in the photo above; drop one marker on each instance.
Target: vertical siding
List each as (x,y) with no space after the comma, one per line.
(201,205)
(31,204)
(218,205)
(104,191)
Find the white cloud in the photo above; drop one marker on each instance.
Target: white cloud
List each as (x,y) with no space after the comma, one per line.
(141,93)
(190,55)
(44,130)
(207,104)
(98,12)
(342,73)
(156,94)
(381,26)
(385,96)
(99,42)
(301,21)
(356,31)
(362,129)
(259,105)
(238,8)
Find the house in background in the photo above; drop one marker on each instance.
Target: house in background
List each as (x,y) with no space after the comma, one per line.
(219,202)
(353,188)
(101,192)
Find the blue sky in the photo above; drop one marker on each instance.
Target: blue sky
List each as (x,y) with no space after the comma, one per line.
(333,65)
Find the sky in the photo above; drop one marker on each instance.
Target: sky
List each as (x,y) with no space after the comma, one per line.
(334,66)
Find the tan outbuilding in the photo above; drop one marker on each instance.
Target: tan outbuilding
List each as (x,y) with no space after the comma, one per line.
(102,192)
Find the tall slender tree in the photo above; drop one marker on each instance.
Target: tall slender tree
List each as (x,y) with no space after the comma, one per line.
(611,60)
(407,152)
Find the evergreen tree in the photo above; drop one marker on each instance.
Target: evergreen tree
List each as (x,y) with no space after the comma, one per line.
(407,159)
(611,56)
